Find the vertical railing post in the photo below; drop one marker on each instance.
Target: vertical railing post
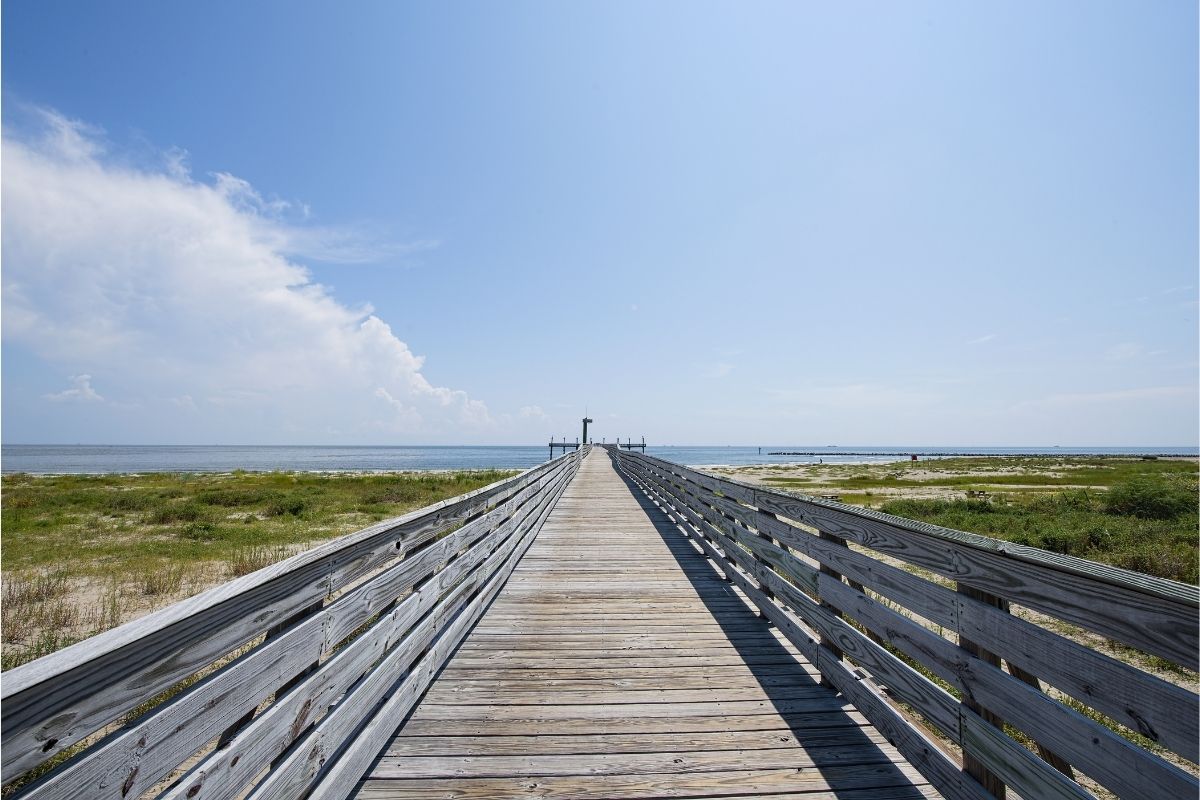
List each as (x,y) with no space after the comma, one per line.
(826,642)
(972,765)
(762,534)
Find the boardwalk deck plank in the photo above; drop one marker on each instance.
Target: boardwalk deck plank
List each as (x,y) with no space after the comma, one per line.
(617,663)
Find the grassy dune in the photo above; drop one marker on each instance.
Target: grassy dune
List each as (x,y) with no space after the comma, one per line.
(1132,513)
(84,553)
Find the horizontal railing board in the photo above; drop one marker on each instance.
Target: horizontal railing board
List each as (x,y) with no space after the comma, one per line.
(1162,711)
(923,695)
(1152,614)
(1017,767)
(783,577)
(1140,620)
(227,772)
(339,779)
(1107,757)
(61,698)
(384,560)
(292,776)
(918,691)
(915,746)
(942,772)
(1157,709)
(1171,591)
(149,749)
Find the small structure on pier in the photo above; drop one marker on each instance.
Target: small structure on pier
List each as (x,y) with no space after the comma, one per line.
(564,444)
(631,445)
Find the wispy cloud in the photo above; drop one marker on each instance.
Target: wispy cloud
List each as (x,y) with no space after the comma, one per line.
(81,391)
(174,288)
(985,338)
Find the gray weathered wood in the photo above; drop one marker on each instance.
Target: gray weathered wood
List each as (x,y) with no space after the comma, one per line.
(1161,711)
(131,760)
(1152,614)
(294,776)
(1116,762)
(50,703)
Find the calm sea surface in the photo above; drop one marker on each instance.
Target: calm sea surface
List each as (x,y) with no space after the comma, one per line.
(224,458)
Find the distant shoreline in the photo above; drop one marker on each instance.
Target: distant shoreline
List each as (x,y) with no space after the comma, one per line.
(380,459)
(956,454)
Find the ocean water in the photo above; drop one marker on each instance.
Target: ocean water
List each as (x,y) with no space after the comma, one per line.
(225,458)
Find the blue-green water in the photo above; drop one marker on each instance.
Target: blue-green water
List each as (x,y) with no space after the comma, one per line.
(224,458)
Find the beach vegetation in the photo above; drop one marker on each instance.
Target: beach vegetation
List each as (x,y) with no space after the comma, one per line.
(84,553)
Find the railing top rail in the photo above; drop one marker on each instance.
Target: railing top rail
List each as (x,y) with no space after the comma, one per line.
(1163,588)
(20,678)
(826,574)
(306,604)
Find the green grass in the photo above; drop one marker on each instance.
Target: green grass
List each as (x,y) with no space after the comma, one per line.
(971,473)
(82,553)
(102,524)
(1131,513)
(1081,523)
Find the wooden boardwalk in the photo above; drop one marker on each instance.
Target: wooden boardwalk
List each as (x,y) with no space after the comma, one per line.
(616,663)
(557,635)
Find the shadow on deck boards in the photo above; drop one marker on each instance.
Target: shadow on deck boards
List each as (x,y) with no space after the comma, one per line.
(764,655)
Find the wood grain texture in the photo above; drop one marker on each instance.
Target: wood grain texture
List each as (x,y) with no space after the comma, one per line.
(1152,614)
(579,632)
(1161,711)
(52,702)
(307,720)
(616,663)
(1097,751)
(134,758)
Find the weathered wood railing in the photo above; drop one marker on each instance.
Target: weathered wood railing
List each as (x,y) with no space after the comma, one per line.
(306,666)
(880,633)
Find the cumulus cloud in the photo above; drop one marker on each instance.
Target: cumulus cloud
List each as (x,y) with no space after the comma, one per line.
(81,391)
(186,294)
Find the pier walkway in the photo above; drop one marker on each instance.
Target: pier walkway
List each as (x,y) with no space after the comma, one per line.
(616,663)
(610,626)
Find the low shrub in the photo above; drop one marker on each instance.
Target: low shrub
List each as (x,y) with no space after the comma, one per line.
(1151,499)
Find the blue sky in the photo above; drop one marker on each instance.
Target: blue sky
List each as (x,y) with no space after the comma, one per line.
(403,223)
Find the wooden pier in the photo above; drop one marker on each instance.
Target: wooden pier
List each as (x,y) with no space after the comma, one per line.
(612,625)
(617,663)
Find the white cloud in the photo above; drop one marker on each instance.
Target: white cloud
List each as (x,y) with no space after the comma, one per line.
(985,338)
(80,392)
(533,412)
(177,289)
